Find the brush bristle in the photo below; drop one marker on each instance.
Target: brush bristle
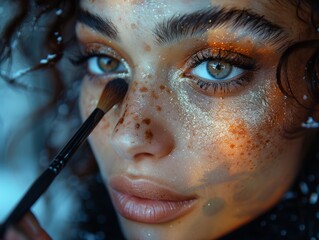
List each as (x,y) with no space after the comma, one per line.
(113,93)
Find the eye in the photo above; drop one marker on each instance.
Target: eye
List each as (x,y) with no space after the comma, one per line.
(216,71)
(101,65)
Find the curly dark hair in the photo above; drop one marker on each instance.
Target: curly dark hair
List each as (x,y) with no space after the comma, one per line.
(312,65)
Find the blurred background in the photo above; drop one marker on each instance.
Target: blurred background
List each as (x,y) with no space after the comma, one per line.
(28,126)
(38,115)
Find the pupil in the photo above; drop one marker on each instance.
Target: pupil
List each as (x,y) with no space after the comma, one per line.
(218,66)
(219,69)
(108,64)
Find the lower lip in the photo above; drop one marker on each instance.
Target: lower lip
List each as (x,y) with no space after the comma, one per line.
(149,210)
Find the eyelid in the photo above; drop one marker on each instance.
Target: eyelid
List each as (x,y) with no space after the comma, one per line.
(219,87)
(90,50)
(100,50)
(234,58)
(96,50)
(94,68)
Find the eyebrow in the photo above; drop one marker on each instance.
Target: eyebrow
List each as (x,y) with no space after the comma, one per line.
(194,24)
(197,23)
(102,25)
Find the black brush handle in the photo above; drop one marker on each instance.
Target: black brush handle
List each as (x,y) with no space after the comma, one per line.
(79,137)
(46,178)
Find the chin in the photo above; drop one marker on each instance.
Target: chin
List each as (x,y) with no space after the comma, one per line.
(188,227)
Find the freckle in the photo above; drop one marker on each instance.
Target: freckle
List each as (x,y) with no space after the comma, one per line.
(238,129)
(148,135)
(127,98)
(158,108)
(121,120)
(135,117)
(137,126)
(154,95)
(133,26)
(146,47)
(146,121)
(232,145)
(134,86)
(105,125)
(162,87)
(143,89)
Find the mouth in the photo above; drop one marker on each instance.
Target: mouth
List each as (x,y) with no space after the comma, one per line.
(147,202)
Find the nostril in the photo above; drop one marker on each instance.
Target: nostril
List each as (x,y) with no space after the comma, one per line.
(143,155)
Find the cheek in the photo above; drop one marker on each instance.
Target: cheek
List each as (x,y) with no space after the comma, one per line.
(242,152)
(88,98)
(88,101)
(247,172)
(245,149)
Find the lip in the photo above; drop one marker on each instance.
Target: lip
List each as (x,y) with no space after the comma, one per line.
(145,201)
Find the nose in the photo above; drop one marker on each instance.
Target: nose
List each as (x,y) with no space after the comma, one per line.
(142,132)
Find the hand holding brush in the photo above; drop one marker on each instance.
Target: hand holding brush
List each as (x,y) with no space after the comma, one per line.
(112,94)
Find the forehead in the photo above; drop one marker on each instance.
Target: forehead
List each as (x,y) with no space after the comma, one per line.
(172,6)
(155,10)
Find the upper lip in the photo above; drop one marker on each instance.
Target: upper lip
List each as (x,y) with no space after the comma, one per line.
(146,189)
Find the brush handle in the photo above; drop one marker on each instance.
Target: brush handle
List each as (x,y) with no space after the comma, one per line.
(47,177)
(79,137)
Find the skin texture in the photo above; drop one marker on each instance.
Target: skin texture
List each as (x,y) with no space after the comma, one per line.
(227,149)
(28,228)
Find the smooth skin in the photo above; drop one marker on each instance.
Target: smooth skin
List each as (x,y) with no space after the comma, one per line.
(217,134)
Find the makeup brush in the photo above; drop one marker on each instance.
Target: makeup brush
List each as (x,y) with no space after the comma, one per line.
(112,94)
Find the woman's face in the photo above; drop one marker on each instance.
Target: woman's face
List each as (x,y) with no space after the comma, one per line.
(199,145)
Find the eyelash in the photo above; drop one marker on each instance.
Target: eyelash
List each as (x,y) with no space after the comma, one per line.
(84,58)
(208,87)
(220,87)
